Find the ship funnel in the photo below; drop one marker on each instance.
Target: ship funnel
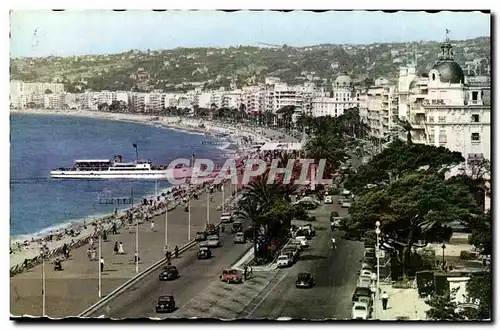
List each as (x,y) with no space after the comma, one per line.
(118,159)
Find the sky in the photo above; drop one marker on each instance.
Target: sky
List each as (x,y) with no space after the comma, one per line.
(38,33)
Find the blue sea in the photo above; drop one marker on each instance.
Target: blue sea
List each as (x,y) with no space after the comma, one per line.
(40,143)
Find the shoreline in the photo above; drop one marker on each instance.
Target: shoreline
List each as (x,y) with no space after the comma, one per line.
(27,248)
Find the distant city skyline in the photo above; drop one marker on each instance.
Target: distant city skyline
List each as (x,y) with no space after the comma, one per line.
(91,32)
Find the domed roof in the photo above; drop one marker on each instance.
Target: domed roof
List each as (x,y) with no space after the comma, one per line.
(343,79)
(449,72)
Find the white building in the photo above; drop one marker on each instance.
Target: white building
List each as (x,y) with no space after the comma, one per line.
(342,97)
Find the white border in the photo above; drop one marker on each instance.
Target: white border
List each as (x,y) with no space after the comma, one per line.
(214,4)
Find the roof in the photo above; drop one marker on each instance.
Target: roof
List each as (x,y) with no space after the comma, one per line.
(92,161)
(449,71)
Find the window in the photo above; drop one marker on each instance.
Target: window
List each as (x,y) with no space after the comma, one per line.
(442,119)
(433,76)
(474,96)
(475,118)
(430,119)
(475,138)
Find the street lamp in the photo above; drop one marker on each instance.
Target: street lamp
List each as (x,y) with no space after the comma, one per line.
(377,254)
(443,247)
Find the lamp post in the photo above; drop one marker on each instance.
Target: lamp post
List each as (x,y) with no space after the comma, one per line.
(443,247)
(99,289)
(43,282)
(377,254)
(208,206)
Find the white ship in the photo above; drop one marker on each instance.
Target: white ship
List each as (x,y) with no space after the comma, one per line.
(111,169)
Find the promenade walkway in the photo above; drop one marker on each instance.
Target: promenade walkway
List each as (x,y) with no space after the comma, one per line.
(71,291)
(404,304)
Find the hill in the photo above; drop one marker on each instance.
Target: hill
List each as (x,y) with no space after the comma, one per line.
(185,68)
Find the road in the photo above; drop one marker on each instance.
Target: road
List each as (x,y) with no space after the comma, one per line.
(334,271)
(195,276)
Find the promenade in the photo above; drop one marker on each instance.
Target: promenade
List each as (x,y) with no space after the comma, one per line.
(71,291)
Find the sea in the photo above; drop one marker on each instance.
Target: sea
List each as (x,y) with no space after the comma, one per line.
(39,143)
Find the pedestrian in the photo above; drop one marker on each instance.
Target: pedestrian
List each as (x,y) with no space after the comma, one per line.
(114,229)
(136,257)
(385,299)
(152,225)
(105,236)
(91,242)
(92,254)
(176,251)
(245,273)
(102,264)
(89,254)
(120,248)
(115,249)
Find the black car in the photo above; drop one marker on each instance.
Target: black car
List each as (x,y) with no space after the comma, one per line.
(304,280)
(168,273)
(165,304)
(204,253)
(361,292)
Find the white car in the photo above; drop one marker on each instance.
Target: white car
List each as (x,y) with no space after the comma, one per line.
(328,200)
(366,272)
(364,282)
(226,217)
(284,261)
(213,241)
(302,240)
(360,311)
(346,205)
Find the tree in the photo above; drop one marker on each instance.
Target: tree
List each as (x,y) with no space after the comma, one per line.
(482,236)
(417,206)
(406,126)
(443,308)
(400,158)
(326,146)
(479,287)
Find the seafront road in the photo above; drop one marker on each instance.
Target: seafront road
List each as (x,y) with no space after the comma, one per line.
(71,291)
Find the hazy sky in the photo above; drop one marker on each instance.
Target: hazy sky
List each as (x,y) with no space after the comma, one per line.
(43,33)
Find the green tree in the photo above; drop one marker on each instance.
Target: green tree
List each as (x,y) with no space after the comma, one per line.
(479,287)
(417,206)
(326,146)
(443,308)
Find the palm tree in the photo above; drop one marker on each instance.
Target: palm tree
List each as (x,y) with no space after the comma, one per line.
(326,146)
(406,126)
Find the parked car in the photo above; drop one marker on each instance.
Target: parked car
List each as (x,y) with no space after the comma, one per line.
(293,251)
(230,275)
(240,237)
(328,200)
(346,205)
(200,236)
(361,292)
(284,260)
(304,280)
(366,272)
(368,301)
(237,226)
(310,229)
(360,311)
(204,252)
(213,241)
(165,304)
(296,245)
(226,217)
(302,240)
(168,273)
(364,282)
(304,232)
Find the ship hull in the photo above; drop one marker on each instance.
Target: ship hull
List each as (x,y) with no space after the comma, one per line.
(83,175)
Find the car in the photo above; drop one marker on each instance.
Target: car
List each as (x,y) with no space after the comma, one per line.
(304,280)
(366,272)
(291,250)
(213,241)
(165,304)
(230,275)
(200,236)
(295,245)
(367,266)
(168,273)
(226,217)
(346,205)
(204,252)
(360,311)
(306,232)
(368,260)
(210,229)
(302,240)
(237,226)
(368,301)
(370,254)
(203,244)
(364,282)
(308,227)
(361,292)
(284,260)
(328,200)
(240,237)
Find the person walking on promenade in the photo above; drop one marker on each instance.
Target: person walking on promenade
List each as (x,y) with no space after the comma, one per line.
(120,248)
(245,273)
(115,249)
(102,264)
(89,254)
(136,257)
(92,254)
(91,242)
(385,300)
(105,236)
(114,231)
(152,225)
(176,251)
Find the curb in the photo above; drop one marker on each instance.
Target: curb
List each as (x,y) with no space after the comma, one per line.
(241,259)
(133,280)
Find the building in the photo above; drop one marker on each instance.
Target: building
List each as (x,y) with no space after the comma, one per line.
(342,97)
